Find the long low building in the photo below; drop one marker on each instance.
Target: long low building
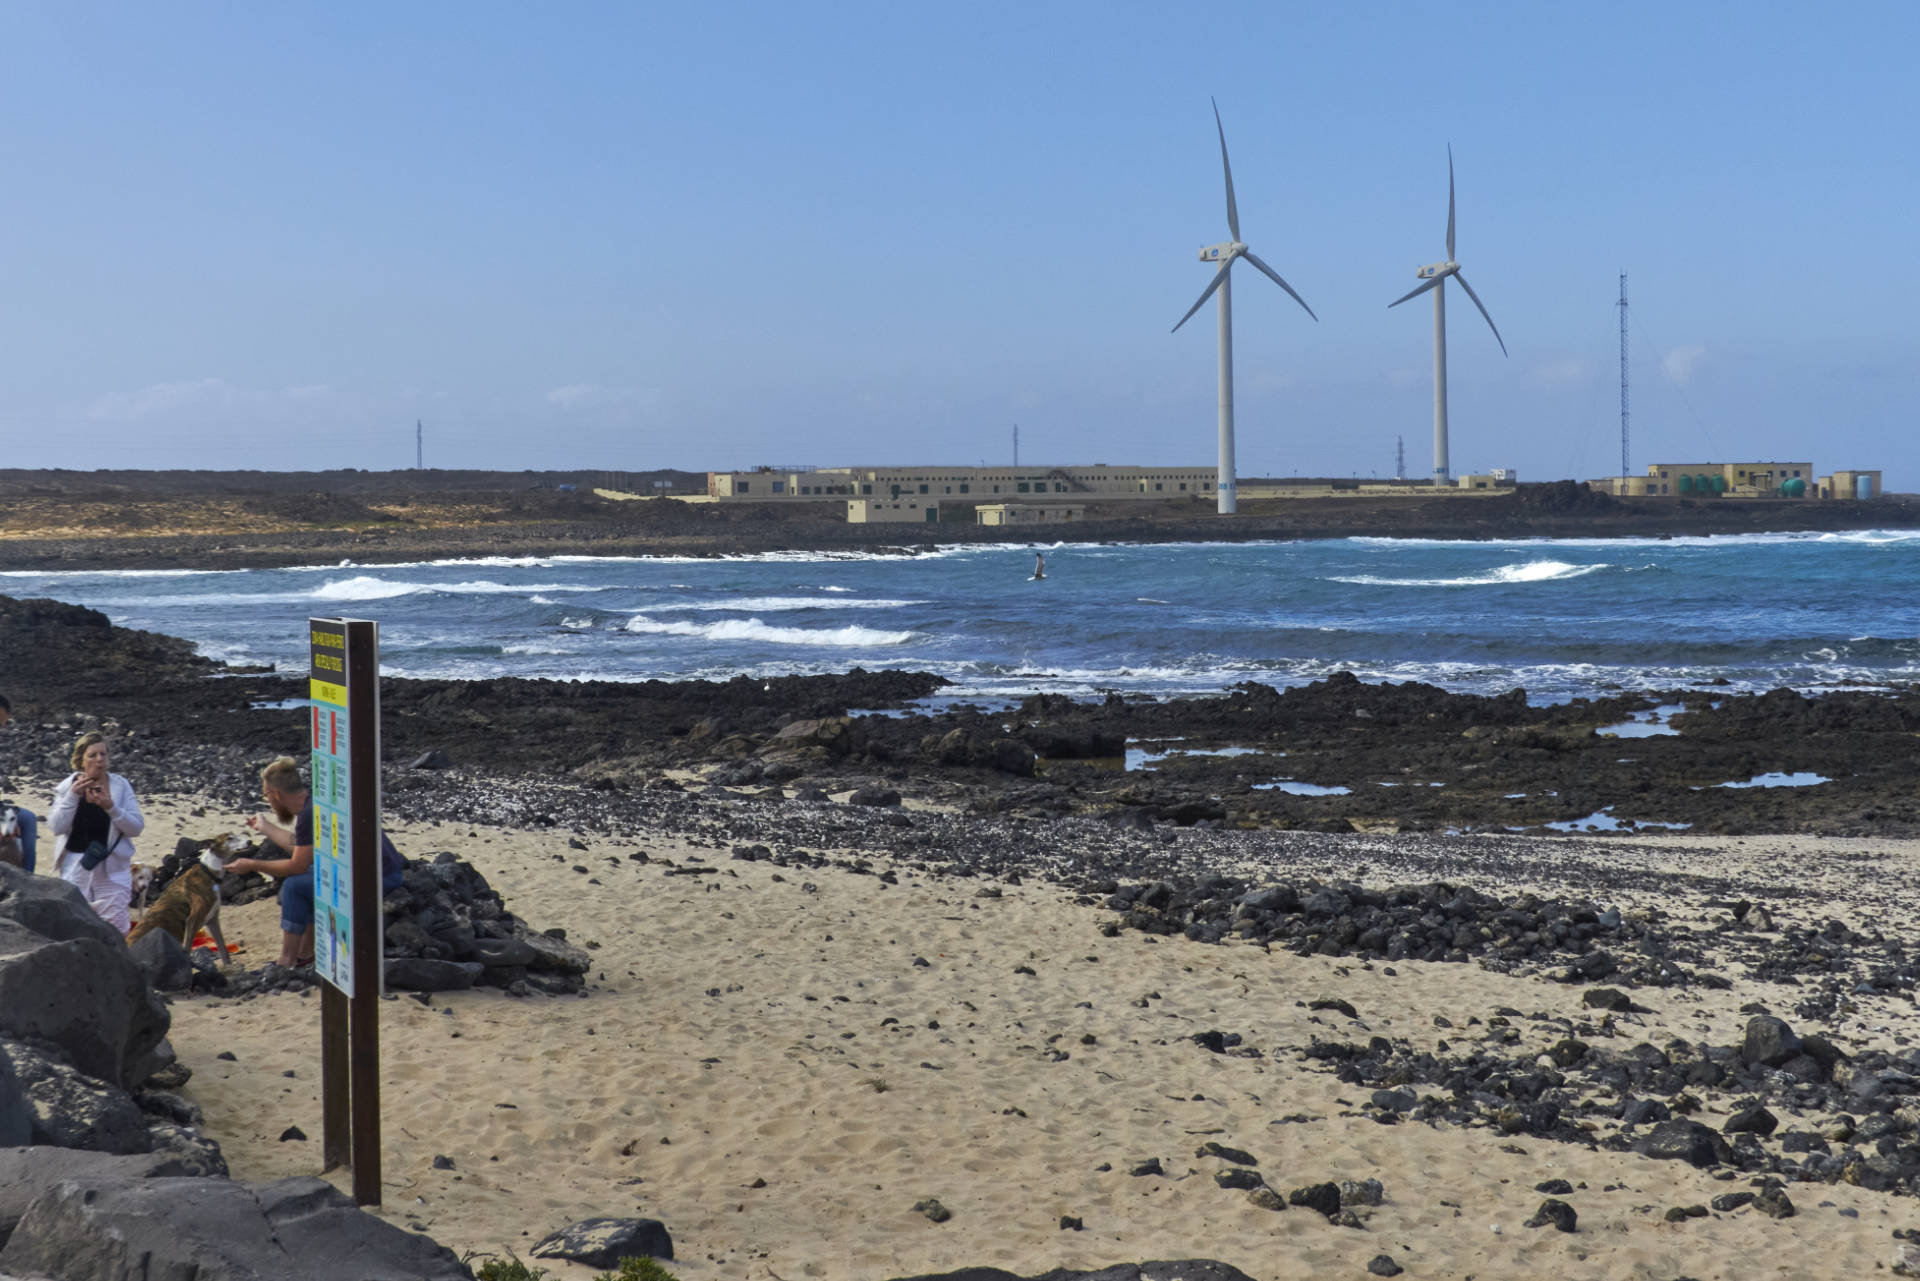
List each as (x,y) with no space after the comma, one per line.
(1740,480)
(976,484)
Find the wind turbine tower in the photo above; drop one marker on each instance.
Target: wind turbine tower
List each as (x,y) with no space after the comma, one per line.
(1226,254)
(1435,275)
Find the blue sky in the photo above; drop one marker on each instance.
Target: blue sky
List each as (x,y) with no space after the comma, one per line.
(628,236)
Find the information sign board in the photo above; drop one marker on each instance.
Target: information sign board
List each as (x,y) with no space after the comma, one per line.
(332,790)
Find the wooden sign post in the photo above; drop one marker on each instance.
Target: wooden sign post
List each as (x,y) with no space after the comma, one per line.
(347,923)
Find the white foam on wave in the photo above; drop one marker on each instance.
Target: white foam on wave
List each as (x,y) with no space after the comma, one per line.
(367,587)
(1533,571)
(773,604)
(536,647)
(752,629)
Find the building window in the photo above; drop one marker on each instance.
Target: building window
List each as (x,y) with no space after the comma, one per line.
(743,486)
(1157,486)
(923,489)
(996,489)
(779,486)
(1183,486)
(1023,487)
(866,489)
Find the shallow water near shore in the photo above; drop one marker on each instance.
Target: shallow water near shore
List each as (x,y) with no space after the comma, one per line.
(1560,618)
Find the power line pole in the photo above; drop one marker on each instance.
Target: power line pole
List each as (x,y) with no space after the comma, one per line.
(419,446)
(1624,439)
(1399,457)
(1016,444)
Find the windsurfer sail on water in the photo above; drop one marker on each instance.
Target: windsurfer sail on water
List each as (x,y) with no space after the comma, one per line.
(1039,565)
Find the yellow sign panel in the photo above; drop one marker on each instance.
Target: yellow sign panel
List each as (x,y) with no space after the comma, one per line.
(327,692)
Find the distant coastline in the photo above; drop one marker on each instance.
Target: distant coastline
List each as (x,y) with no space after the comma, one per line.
(56,520)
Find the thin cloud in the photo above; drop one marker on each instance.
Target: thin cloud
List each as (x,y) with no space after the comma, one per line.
(1564,372)
(577,397)
(1682,363)
(196,396)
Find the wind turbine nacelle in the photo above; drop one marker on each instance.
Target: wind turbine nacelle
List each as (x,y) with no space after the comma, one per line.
(1431,270)
(1221,252)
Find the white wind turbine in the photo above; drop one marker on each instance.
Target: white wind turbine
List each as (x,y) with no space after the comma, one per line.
(1435,276)
(1225,254)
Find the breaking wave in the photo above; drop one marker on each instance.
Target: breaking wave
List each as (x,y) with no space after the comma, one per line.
(1533,571)
(752,629)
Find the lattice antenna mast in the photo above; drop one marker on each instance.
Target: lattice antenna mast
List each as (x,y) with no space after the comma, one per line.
(1624,438)
(1399,457)
(419,446)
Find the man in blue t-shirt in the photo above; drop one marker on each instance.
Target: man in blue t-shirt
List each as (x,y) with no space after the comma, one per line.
(286,793)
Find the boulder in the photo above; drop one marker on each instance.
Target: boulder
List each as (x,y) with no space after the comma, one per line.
(212,1230)
(72,1110)
(828,732)
(1769,1041)
(602,1243)
(83,995)
(550,953)
(16,1111)
(1687,1141)
(494,953)
(167,965)
(51,908)
(25,1173)
(874,794)
(416,974)
(1753,1120)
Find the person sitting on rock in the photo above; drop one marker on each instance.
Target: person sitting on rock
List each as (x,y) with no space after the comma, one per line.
(291,828)
(96,816)
(27,827)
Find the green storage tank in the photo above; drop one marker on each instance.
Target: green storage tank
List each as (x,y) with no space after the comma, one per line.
(1703,484)
(1795,488)
(1719,484)
(1686,484)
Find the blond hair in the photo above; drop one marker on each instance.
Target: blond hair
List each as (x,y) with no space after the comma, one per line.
(81,744)
(283,775)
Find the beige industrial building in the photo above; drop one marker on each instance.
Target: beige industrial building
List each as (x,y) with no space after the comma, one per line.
(1740,480)
(975,484)
(1028,513)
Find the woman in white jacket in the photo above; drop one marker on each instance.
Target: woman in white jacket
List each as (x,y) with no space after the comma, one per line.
(94,820)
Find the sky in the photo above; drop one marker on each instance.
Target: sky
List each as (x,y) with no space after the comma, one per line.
(715,236)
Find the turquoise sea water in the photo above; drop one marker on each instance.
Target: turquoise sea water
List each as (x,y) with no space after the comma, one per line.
(1557,617)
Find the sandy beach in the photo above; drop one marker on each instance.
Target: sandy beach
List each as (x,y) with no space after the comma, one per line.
(780,1063)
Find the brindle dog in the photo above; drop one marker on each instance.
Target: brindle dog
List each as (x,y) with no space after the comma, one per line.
(190,903)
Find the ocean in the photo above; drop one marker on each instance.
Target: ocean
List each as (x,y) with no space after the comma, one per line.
(1561,618)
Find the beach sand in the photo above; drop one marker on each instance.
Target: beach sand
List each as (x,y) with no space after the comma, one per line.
(762,1064)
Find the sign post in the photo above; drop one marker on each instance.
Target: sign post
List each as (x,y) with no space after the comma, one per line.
(347,926)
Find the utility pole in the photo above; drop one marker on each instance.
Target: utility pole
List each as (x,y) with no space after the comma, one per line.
(419,446)
(1623,375)
(1016,444)
(1399,457)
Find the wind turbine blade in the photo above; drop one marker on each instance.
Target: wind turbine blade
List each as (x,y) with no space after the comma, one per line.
(1233,210)
(1483,311)
(1416,293)
(1214,284)
(1449,202)
(1274,276)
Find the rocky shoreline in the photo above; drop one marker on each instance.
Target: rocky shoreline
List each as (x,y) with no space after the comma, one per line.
(1338,755)
(778,781)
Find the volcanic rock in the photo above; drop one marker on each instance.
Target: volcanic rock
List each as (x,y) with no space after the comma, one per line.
(602,1243)
(294,1230)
